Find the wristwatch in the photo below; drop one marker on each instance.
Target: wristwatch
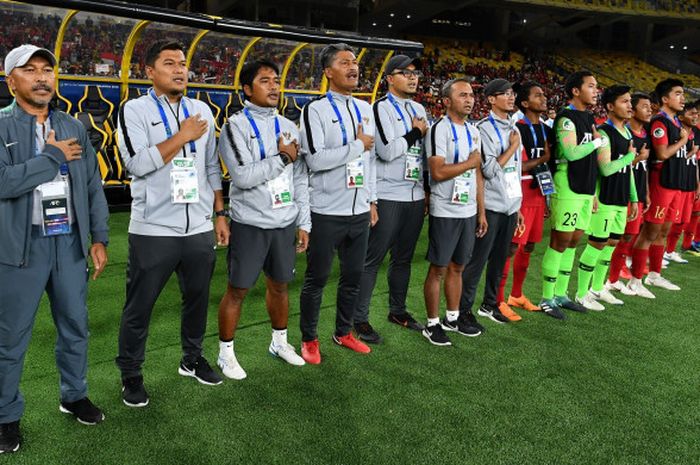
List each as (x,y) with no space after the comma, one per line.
(221,213)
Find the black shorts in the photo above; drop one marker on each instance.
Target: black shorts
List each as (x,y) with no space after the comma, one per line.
(252,249)
(451,240)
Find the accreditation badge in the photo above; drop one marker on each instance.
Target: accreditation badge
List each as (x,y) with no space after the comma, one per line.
(462,188)
(355,174)
(413,164)
(55,207)
(546,183)
(514,189)
(184,184)
(280,191)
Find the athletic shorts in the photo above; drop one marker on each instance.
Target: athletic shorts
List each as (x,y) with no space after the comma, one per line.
(450,240)
(633,227)
(531,230)
(664,202)
(696,206)
(682,215)
(570,214)
(252,249)
(608,219)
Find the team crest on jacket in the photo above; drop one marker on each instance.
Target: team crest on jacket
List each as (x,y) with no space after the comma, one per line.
(659,133)
(365,120)
(287,135)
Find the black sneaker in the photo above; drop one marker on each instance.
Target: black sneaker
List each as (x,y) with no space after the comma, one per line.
(10,437)
(550,308)
(436,335)
(406,320)
(471,320)
(133,392)
(568,304)
(366,333)
(201,371)
(83,410)
(492,312)
(448,325)
(465,328)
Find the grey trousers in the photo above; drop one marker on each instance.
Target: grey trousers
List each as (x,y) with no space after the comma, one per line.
(398,229)
(348,235)
(492,248)
(56,265)
(152,260)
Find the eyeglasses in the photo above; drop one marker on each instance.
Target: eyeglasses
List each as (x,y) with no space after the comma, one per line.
(408,73)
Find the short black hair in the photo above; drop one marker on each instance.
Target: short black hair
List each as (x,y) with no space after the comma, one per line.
(159,46)
(664,87)
(329,52)
(654,97)
(575,81)
(612,93)
(250,70)
(522,92)
(637,96)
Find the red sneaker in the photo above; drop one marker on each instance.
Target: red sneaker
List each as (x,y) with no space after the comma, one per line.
(625,272)
(310,352)
(351,343)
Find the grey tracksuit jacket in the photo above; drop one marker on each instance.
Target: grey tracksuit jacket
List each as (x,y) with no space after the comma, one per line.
(22,170)
(250,199)
(141,129)
(441,143)
(327,156)
(495,197)
(394,135)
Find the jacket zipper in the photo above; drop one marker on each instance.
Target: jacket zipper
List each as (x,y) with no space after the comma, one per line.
(354,131)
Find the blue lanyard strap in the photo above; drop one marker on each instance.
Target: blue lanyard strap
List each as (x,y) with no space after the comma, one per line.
(256,131)
(534,133)
(397,107)
(674,120)
(340,118)
(628,134)
(166,124)
(456,140)
(498,133)
(572,107)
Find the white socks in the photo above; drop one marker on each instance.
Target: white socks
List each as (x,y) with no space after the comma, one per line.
(452,315)
(279,337)
(226,349)
(433,321)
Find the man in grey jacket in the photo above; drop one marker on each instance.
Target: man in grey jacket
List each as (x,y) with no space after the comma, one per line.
(401,124)
(501,168)
(169,147)
(51,207)
(269,204)
(337,145)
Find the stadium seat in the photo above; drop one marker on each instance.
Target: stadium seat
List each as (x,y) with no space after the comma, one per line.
(101,109)
(215,109)
(291,109)
(6,96)
(234,105)
(97,134)
(61,103)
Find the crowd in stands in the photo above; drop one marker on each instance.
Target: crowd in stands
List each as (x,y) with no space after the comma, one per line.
(20,27)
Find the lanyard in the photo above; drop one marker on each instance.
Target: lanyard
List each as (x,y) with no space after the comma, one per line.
(166,124)
(63,168)
(256,131)
(498,133)
(456,139)
(534,133)
(674,120)
(397,107)
(340,118)
(572,107)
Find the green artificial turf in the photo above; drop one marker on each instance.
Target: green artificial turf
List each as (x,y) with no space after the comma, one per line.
(616,387)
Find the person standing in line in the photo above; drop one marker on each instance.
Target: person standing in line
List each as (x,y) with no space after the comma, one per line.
(53,215)
(400,126)
(337,146)
(269,207)
(169,145)
(457,213)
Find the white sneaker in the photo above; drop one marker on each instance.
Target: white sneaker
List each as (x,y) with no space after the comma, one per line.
(589,302)
(664,264)
(607,297)
(230,367)
(635,287)
(616,286)
(287,353)
(674,257)
(655,279)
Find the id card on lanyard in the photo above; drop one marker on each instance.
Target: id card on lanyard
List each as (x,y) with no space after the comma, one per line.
(462,184)
(354,170)
(544,177)
(511,175)
(414,160)
(55,205)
